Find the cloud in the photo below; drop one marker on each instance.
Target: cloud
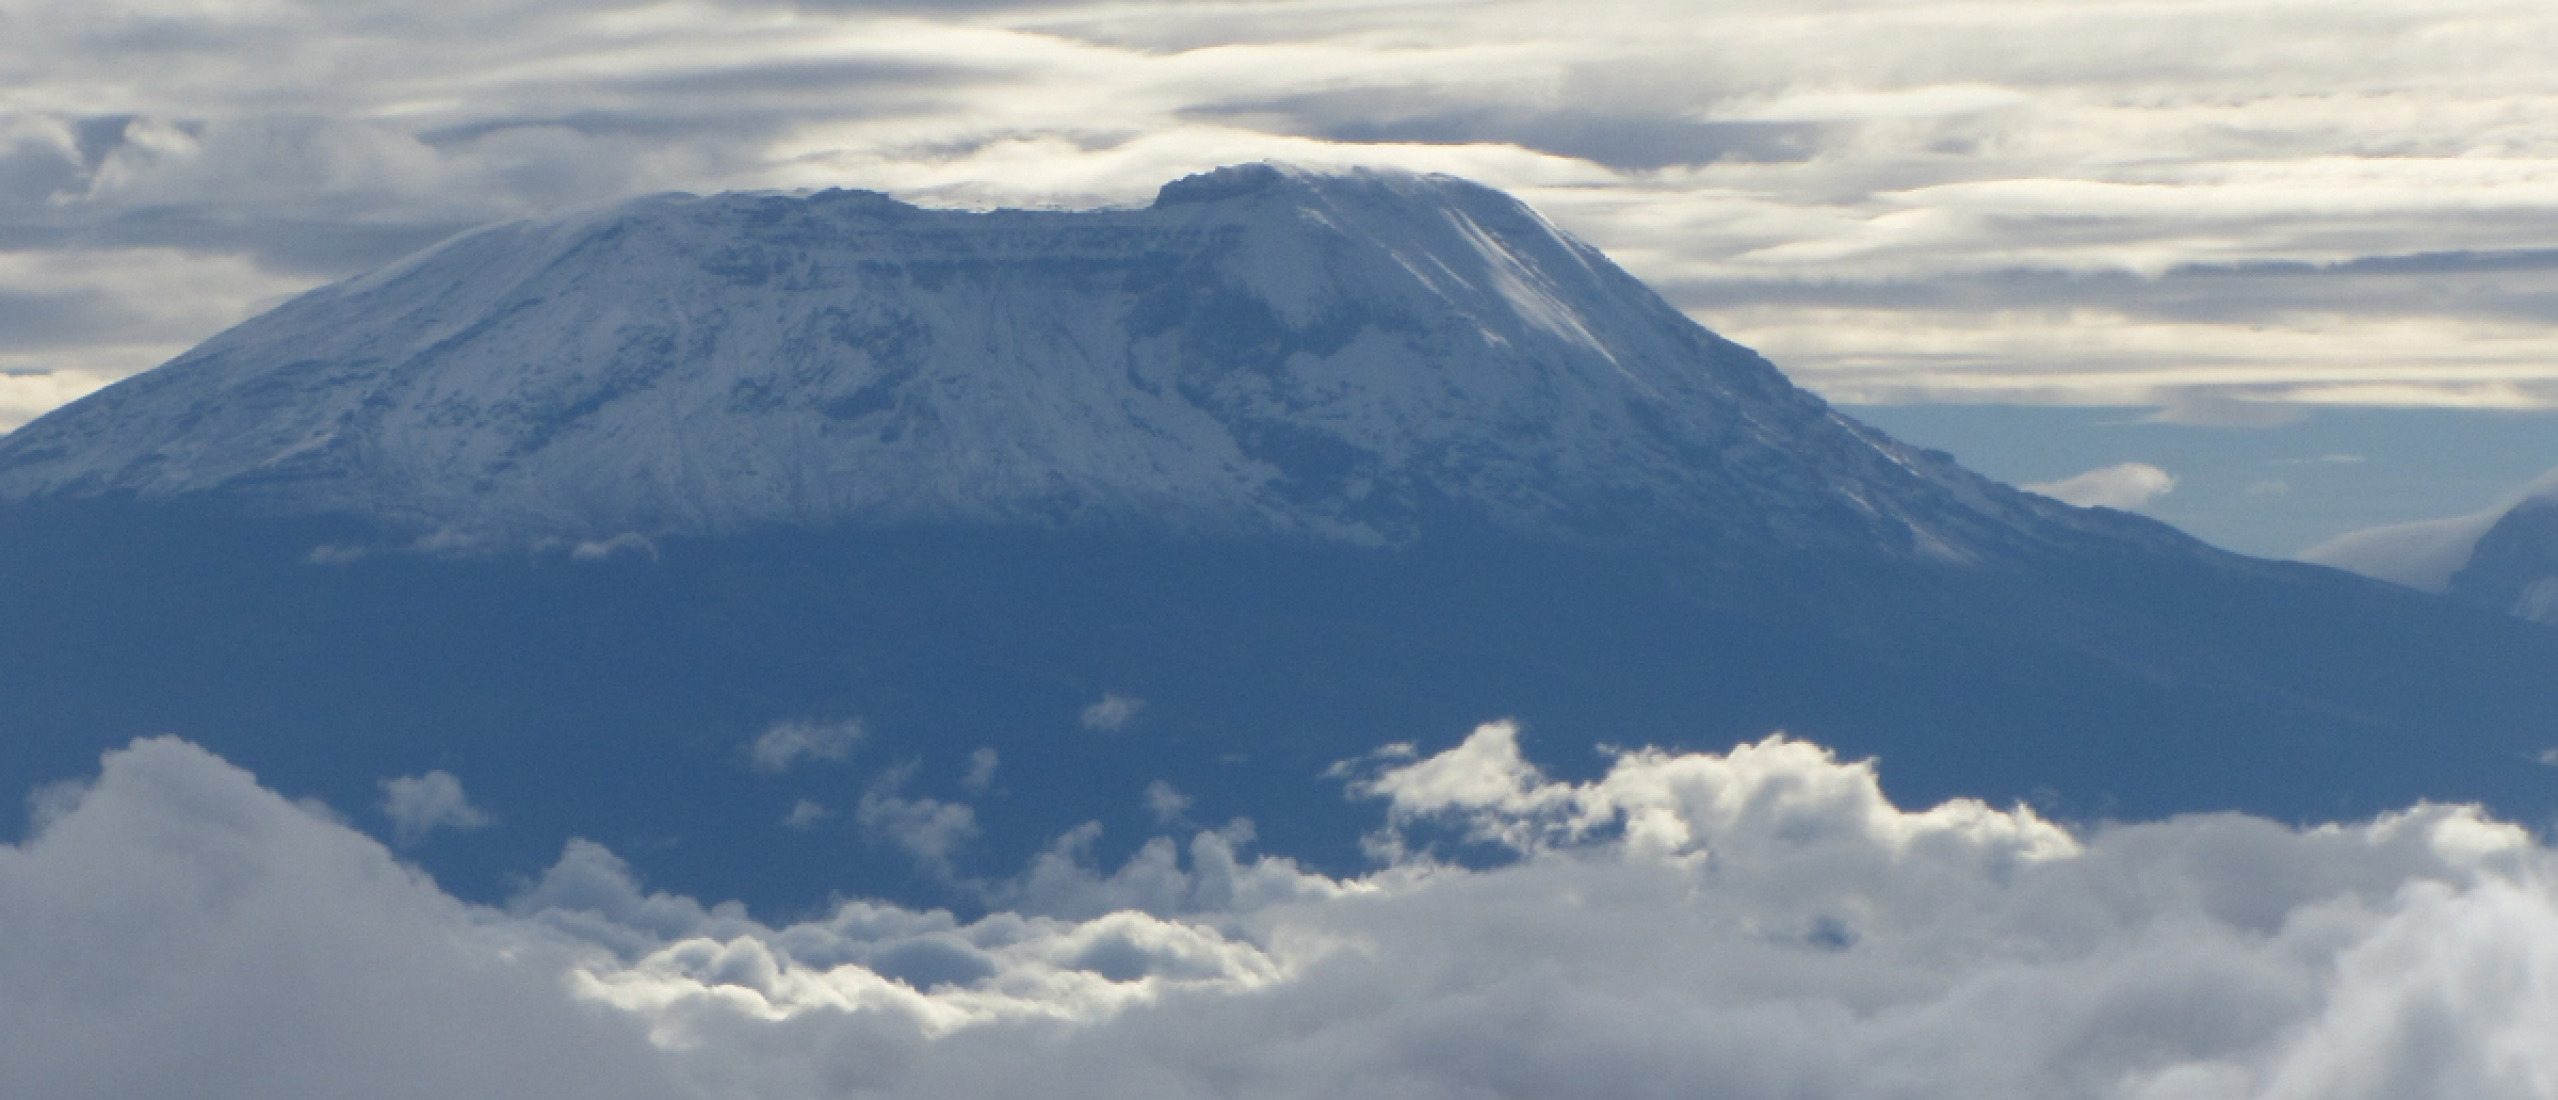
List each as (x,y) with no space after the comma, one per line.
(928,830)
(628,543)
(30,393)
(1166,803)
(419,805)
(1762,922)
(1112,712)
(805,814)
(2424,555)
(2421,555)
(784,745)
(2128,486)
(981,771)
(2027,200)
(181,932)
(2538,602)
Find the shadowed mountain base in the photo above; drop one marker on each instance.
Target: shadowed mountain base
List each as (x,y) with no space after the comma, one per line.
(614,698)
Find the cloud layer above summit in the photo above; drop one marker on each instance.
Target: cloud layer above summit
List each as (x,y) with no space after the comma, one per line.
(2201,205)
(1760,923)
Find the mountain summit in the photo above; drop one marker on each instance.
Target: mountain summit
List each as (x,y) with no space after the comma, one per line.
(1347,357)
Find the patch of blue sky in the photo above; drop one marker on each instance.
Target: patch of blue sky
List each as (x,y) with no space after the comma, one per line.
(2270,491)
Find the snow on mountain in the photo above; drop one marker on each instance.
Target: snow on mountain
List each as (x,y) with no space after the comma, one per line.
(1263,349)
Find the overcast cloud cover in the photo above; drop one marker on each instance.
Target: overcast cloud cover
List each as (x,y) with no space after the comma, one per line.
(2204,204)
(1756,924)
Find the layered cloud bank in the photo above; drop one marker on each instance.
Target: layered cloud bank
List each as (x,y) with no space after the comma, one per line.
(2050,200)
(1761,923)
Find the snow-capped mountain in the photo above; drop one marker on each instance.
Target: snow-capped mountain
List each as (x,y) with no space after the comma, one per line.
(1277,470)
(1261,350)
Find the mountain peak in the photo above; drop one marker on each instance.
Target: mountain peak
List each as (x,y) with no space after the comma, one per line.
(1276,179)
(1231,181)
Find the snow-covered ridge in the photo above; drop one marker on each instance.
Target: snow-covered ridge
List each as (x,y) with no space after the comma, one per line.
(1261,350)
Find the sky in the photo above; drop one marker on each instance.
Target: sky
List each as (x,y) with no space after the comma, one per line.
(2199,212)
(2272,270)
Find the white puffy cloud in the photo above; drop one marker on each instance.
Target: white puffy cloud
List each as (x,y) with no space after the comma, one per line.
(2128,486)
(1166,803)
(805,814)
(1112,712)
(2020,200)
(927,829)
(419,805)
(180,932)
(1757,923)
(981,771)
(783,745)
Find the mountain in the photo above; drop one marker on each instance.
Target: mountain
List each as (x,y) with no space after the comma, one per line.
(2504,558)
(1261,352)
(753,532)
(2513,567)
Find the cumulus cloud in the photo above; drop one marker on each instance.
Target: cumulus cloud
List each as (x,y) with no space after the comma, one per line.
(181,932)
(928,830)
(419,805)
(2022,200)
(1112,712)
(805,814)
(981,771)
(784,745)
(1166,803)
(1762,922)
(2129,486)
